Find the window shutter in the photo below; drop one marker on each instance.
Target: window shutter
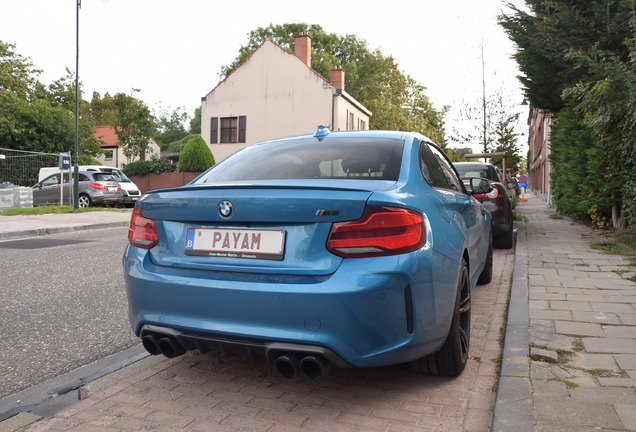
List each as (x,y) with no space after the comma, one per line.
(214,130)
(241,131)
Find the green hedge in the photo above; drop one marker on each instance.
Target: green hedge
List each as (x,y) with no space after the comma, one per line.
(152,166)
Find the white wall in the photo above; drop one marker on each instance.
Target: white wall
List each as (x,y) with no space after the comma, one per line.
(279,95)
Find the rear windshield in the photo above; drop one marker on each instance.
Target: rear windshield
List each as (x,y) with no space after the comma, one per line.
(102,176)
(336,158)
(477,171)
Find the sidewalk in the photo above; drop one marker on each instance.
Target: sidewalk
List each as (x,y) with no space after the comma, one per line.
(14,227)
(579,309)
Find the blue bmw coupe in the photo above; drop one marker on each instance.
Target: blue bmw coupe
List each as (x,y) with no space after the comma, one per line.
(351,249)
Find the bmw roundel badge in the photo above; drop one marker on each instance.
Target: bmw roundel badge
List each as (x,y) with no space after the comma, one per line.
(225,209)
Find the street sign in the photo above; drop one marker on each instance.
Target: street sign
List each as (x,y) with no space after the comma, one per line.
(523,185)
(65,162)
(523,179)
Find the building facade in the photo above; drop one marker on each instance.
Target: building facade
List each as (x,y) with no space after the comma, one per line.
(114,156)
(540,169)
(275,93)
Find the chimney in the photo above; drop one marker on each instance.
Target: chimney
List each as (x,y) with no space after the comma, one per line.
(338,78)
(302,48)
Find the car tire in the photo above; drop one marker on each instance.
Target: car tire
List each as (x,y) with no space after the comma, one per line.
(486,274)
(505,241)
(84,201)
(451,359)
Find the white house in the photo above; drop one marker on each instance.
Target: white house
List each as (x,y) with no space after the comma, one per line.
(114,155)
(275,93)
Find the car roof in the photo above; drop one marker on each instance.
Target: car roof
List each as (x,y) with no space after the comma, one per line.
(396,135)
(475,164)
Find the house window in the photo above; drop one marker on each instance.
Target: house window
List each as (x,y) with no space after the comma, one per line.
(232,130)
(229,130)
(108,154)
(362,125)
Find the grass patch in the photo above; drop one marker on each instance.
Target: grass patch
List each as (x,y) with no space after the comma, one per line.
(555,216)
(568,384)
(520,218)
(623,243)
(577,345)
(598,372)
(53,209)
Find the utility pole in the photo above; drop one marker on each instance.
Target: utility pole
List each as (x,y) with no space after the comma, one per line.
(483,96)
(76,170)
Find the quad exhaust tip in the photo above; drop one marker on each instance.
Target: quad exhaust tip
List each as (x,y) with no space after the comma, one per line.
(309,366)
(168,346)
(289,365)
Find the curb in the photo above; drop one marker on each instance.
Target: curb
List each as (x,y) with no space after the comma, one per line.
(36,232)
(513,404)
(45,399)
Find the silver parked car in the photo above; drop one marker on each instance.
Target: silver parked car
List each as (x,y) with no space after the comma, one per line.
(95,188)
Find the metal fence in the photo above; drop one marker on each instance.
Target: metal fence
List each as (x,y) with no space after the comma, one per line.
(21,168)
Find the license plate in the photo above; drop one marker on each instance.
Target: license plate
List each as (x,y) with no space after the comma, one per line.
(112,189)
(236,243)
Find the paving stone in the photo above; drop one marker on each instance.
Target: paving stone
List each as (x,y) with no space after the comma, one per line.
(627,319)
(613,307)
(551,314)
(570,305)
(587,361)
(610,345)
(538,304)
(587,297)
(546,296)
(627,414)
(579,328)
(579,282)
(596,317)
(626,332)
(626,361)
(617,382)
(544,355)
(603,395)
(595,415)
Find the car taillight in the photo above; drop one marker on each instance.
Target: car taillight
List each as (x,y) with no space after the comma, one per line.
(118,186)
(493,194)
(98,186)
(142,232)
(380,231)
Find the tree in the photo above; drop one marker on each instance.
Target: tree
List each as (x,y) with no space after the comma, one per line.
(100,111)
(396,100)
(195,121)
(494,129)
(17,74)
(171,125)
(34,117)
(196,156)
(580,56)
(134,126)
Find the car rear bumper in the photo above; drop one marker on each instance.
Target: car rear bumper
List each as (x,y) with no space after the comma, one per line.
(389,314)
(106,197)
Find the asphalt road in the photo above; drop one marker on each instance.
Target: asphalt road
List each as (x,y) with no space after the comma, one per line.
(63,305)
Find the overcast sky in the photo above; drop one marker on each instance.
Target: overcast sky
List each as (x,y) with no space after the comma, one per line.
(173,50)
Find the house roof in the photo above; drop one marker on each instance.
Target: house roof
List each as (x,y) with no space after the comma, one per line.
(107,135)
(336,91)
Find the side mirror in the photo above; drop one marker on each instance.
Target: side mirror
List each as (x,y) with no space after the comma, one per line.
(511,185)
(480,186)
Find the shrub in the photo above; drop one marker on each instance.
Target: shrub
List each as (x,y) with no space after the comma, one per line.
(196,156)
(155,165)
